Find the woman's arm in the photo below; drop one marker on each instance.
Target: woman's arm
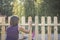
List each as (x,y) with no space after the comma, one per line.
(23,30)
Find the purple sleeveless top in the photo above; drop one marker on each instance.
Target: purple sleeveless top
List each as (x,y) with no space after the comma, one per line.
(12,33)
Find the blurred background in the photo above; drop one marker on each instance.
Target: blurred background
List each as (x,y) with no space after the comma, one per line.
(30,8)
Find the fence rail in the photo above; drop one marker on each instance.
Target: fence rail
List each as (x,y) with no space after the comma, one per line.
(26,24)
(55,24)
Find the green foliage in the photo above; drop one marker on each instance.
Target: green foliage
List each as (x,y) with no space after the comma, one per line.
(29,8)
(6,8)
(32,7)
(18,8)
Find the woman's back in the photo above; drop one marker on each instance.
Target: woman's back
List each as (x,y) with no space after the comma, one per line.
(12,33)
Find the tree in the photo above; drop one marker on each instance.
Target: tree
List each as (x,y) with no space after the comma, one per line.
(18,8)
(29,8)
(48,8)
(6,8)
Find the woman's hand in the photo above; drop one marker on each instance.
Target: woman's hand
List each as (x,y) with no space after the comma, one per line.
(23,30)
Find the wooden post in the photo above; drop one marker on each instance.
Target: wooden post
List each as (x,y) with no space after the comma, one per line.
(30,27)
(9,20)
(23,22)
(0,26)
(55,29)
(0,20)
(49,27)
(36,27)
(3,29)
(43,28)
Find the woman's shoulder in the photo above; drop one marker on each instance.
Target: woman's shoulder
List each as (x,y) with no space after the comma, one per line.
(8,27)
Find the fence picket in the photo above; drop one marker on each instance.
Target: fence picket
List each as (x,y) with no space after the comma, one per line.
(42,28)
(3,29)
(36,27)
(23,22)
(49,27)
(55,29)
(30,27)
(9,20)
(0,20)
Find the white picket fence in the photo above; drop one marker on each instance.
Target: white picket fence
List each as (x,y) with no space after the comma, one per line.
(36,24)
